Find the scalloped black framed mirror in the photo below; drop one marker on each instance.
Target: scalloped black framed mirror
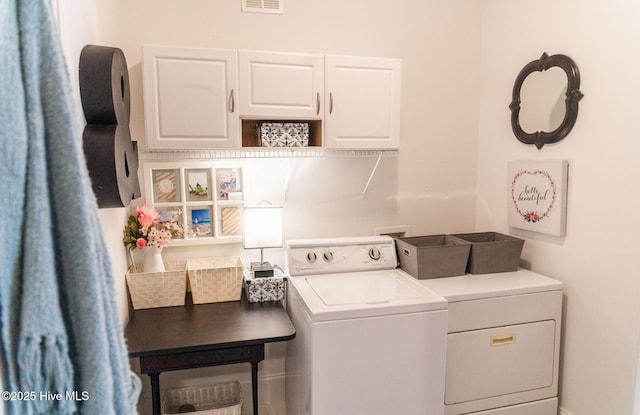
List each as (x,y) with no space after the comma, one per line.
(544,104)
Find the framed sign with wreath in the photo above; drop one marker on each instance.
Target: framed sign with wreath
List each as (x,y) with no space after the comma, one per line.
(537,196)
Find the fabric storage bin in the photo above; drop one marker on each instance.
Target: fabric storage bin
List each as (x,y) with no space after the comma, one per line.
(492,252)
(215,279)
(218,399)
(433,256)
(284,134)
(259,290)
(158,289)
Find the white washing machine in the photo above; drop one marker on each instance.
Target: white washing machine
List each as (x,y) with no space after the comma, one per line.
(370,339)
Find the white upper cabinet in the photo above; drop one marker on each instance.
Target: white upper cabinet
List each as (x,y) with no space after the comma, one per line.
(362,102)
(190,97)
(203,98)
(281,85)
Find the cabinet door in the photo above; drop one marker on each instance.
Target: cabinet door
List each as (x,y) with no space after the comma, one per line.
(189,97)
(281,85)
(362,102)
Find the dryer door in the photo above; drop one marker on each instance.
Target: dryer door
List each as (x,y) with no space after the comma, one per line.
(499,361)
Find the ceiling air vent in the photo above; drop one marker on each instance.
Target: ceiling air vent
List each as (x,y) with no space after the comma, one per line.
(262,6)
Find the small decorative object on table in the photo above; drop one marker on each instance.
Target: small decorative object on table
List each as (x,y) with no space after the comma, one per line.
(146,231)
(261,289)
(152,259)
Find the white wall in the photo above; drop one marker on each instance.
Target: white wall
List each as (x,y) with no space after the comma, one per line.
(636,402)
(596,260)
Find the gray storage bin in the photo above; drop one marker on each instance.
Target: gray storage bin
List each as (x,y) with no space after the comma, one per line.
(433,256)
(492,252)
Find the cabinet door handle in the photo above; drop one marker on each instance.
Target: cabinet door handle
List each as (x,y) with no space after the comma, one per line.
(330,102)
(317,103)
(232,101)
(503,339)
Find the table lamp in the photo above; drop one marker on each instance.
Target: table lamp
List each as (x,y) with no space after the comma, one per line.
(262,228)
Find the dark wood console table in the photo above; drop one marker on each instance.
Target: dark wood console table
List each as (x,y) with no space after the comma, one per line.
(176,338)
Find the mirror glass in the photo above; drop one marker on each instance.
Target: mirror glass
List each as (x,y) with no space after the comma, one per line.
(542,96)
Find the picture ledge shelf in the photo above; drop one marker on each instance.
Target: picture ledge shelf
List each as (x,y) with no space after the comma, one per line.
(161,155)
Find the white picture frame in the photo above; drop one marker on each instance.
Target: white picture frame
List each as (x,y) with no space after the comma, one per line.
(537,195)
(208,195)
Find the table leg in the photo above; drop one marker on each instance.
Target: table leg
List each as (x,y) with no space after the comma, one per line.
(155,392)
(254,386)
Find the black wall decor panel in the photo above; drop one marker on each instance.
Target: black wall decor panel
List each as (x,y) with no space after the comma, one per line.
(112,158)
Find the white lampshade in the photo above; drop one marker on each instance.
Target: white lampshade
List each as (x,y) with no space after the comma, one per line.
(262,226)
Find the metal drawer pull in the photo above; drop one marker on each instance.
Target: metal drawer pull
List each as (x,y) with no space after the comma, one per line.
(503,339)
(317,103)
(232,101)
(330,102)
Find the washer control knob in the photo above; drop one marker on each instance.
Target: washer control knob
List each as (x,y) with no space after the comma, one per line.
(374,253)
(311,257)
(328,256)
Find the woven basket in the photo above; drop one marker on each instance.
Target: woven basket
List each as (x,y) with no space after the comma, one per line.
(215,279)
(158,289)
(219,399)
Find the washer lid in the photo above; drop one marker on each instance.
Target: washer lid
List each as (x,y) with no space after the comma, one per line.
(363,294)
(343,289)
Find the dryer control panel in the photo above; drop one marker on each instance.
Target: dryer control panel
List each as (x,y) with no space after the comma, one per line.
(335,255)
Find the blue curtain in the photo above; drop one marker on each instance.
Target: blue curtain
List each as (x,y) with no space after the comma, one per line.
(63,349)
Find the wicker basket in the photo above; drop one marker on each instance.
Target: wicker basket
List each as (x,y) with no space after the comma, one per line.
(215,279)
(219,399)
(158,289)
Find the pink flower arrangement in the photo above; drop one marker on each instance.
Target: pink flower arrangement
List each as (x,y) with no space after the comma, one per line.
(145,229)
(147,216)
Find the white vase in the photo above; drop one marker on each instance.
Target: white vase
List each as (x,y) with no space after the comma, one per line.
(152,259)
